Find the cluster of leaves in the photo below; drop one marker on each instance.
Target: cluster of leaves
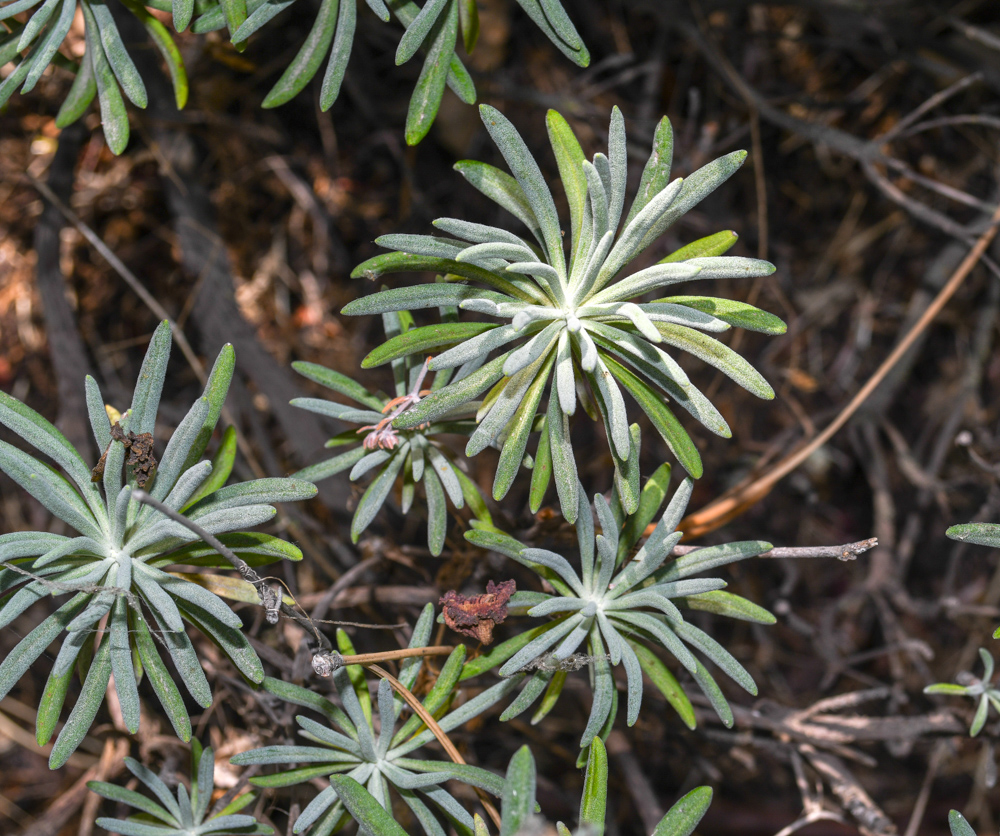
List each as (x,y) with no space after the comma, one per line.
(115,568)
(352,748)
(106,69)
(185,815)
(969,686)
(518,806)
(572,319)
(615,607)
(413,456)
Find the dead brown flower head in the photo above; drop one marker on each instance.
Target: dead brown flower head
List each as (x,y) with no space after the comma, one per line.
(477,615)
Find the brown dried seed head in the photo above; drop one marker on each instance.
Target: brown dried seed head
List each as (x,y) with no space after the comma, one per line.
(477,615)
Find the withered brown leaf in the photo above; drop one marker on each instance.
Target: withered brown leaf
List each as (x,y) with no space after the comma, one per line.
(477,615)
(140,459)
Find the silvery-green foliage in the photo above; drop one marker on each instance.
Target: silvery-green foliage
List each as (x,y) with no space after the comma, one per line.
(518,804)
(969,686)
(610,608)
(187,814)
(106,69)
(958,825)
(579,319)
(414,456)
(362,742)
(434,27)
(114,569)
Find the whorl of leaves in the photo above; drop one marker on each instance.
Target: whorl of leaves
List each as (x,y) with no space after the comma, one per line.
(115,569)
(187,814)
(577,320)
(615,608)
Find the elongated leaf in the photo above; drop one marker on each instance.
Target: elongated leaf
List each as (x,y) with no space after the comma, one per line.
(160,678)
(420,339)
(683,817)
(85,709)
(365,809)
(593,804)
(80,95)
(426,98)
(551,18)
(305,64)
(711,245)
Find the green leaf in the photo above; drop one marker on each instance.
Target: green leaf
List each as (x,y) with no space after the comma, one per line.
(739,314)
(958,825)
(593,804)
(113,792)
(711,245)
(518,801)
(163,684)
(948,688)
(529,177)
(340,54)
(981,534)
(80,95)
(502,189)
(666,682)
(117,55)
(654,492)
(49,488)
(364,808)
(165,44)
(421,339)
(552,19)
(235,12)
(426,98)
(146,398)
(376,494)
(666,424)
(500,653)
(541,472)
(453,396)
(518,430)
(468,18)
(718,355)
(729,605)
(85,709)
(305,64)
(339,383)
(569,158)
(222,466)
(683,817)
(418,30)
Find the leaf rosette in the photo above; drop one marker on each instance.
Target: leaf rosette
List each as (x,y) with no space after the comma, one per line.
(187,814)
(579,321)
(614,608)
(362,742)
(125,607)
(413,457)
